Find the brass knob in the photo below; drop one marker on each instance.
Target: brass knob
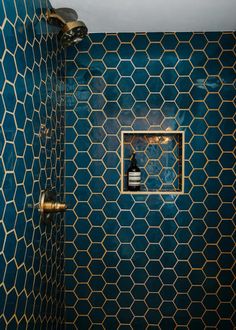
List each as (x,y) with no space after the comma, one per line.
(53,207)
(47,204)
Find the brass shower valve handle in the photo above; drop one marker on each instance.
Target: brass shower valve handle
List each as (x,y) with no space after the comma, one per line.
(48,205)
(53,207)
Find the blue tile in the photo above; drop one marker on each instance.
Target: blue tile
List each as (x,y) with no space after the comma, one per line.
(227,41)
(111,109)
(198,93)
(198,58)
(97,37)
(199,109)
(198,143)
(97,68)
(213,67)
(227,92)
(155,51)
(213,36)
(9,127)
(111,193)
(111,209)
(2,15)
(140,93)
(126,85)
(155,36)
(140,42)
(184,101)
(140,76)
(96,101)
(184,67)
(227,143)
(111,176)
(9,97)
(184,50)
(154,67)
(169,93)
(111,60)
(10,11)
(111,93)
(155,101)
(227,58)
(9,67)
(213,50)
(125,51)
(140,59)
(155,84)
(97,51)
(169,59)
(125,37)
(126,101)
(227,75)
(140,109)
(111,42)
(198,76)
(125,68)
(169,76)
(198,41)
(169,41)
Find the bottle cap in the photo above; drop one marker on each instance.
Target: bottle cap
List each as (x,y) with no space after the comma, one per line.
(133,159)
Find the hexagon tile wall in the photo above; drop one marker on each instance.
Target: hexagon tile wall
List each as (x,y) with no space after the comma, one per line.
(150,262)
(31,255)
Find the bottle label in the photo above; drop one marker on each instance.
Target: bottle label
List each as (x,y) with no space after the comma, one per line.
(134,178)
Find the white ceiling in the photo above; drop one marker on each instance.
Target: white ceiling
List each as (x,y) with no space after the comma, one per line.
(154,15)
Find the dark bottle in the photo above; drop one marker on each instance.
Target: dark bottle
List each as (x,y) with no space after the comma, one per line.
(133,175)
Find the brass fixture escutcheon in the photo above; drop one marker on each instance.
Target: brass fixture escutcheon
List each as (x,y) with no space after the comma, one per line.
(48,205)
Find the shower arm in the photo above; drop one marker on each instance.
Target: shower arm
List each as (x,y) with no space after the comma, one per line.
(53,18)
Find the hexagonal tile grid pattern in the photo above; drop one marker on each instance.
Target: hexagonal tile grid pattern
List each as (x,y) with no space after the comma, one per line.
(150,262)
(31,255)
(159,157)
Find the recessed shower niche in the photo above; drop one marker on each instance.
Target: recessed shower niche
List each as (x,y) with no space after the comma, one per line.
(160,157)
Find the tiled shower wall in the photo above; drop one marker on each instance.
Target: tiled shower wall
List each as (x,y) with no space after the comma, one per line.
(150,262)
(31,95)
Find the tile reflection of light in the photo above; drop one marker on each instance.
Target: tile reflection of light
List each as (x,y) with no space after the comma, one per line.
(154,139)
(165,139)
(159,139)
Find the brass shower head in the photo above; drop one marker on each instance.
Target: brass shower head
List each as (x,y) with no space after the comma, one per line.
(72,30)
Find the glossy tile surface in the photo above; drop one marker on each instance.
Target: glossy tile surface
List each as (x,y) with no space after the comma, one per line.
(31,90)
(150,262)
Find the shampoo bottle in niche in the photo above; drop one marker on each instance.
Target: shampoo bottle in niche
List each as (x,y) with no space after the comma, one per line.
(133,175)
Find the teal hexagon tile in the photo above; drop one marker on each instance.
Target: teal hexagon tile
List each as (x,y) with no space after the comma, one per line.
(111,60)
(169,41)
(184,50)
(201,109)
(198,58)
(169,76)
(140,42)
(169,59)
(125,51)
(184,67)
(213,50)
(227,58)
(140,59)
(155,84)
(155,51)
(198,41)
(154,67)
